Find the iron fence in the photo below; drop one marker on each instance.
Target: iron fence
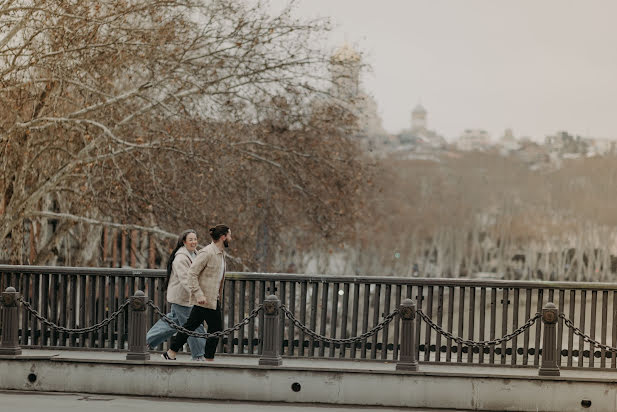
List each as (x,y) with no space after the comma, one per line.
(453,313)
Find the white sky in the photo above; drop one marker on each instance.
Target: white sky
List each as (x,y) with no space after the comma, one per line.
(536,66)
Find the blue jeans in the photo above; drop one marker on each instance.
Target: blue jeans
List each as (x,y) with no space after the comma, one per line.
(161,331)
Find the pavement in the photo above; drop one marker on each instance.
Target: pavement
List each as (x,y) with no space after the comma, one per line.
(63,402)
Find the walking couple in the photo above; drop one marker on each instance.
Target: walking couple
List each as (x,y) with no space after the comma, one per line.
(194,285)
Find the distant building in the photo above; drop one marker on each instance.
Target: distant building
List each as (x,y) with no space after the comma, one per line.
(474,139)
(565,144)
(419,136)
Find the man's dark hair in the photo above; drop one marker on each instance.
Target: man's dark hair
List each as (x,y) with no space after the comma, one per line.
(217,231)
(170,262)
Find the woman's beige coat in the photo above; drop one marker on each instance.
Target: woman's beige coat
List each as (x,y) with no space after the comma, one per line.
(204,276)
(178,288)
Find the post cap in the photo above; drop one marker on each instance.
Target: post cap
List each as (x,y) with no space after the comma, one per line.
(139,293)
(10,289)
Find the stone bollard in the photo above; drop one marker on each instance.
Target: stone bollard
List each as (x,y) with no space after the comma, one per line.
(9,345)
(550,316)
(407,314)
(138,349)
(271,355)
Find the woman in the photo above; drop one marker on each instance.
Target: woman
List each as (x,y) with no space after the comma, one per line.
(178,295)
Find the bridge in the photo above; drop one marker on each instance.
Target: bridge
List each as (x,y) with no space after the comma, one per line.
(379,341)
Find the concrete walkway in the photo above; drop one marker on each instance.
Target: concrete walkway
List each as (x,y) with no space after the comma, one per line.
(339,365)
(62,402)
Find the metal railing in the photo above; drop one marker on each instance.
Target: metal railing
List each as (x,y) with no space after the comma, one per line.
(451,314)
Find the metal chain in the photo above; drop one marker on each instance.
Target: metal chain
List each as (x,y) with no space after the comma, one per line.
(387,319)
(194,334)
(92,328)
(586,338)
(483,343)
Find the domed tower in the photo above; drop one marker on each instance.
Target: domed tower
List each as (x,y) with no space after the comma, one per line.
(418,118)
(345,70)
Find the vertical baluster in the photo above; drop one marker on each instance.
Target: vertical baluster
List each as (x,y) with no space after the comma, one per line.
(354,317)
(367,289)
(63,289)
(283,299)
(251,325)
(262,297)
(536,355)
(44,307)
(73,309)
(614,331)
(450,322)
(335,289)
(385,333)
(420,306)
(122,318)
(515,325)
(505,297)
(290,328)
(471,315)
(562,296)
(324,316)
(493,324)
(53,308)
(151,295)
(242,314)
(592,347)
(313,319)
(231,314)
(101,308)
(570,332)
(303,298)
(24,289)
(111,308)
(34,323)
(482,329)
(343,348)
(440,292)
(82,309)
(526,333)
(376,299)
(397,322)
(461,320)
(581,342)
(603,326)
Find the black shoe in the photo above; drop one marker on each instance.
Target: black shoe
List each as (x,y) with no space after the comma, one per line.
(165,356)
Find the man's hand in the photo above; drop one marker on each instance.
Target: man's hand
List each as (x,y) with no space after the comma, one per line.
(201,302)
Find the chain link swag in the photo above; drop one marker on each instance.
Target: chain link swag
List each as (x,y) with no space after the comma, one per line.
(387,319)
(586,338)
(224,332)
(482,343)
(92,328)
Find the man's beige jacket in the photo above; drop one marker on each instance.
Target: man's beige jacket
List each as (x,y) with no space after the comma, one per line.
(206,276)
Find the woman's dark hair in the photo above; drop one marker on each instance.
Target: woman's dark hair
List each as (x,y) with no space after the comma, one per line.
(217,231)
(170,261)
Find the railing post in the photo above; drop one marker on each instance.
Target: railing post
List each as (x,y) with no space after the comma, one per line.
(9,345)
(550,316)
(138,349)
(407,314)
(270,354)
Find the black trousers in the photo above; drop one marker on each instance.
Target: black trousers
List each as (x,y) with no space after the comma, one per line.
(199,314)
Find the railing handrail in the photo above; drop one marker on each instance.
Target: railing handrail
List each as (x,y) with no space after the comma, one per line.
(384,280)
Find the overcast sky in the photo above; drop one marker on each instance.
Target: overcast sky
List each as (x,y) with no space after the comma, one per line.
(536,66)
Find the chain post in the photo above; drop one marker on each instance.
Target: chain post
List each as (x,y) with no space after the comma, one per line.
(270,355)
(9,344)
(407,313)
(138,349)
(550,316)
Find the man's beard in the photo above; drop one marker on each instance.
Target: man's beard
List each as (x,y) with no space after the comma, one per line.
(225,243)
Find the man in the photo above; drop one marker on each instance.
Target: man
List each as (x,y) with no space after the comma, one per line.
(206,280)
